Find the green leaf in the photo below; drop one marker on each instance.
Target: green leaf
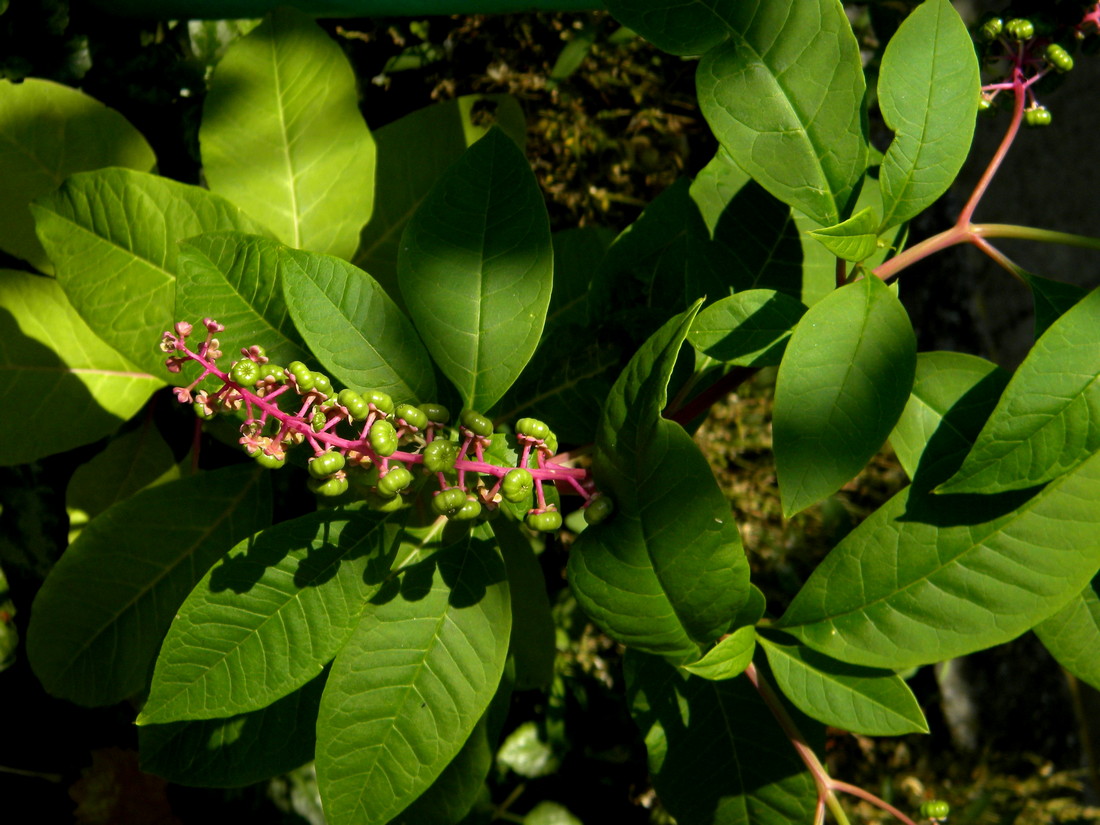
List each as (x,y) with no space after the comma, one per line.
(818,264)
(1072,635)
(854,239)
(282,136)
(918,581)
(476,269)
(749,328)
(113,237)
(105,607)
(524,752)
(47,132)
(1048,419)
(60,386)
(716,185)
(130,463)
(241,750)
(728,658)
(844,380)
(928,92)
(716,753)
(576,251)
(850,697)
(784,97)
(672,25)
(1052,300)
(666,573)
(533,637)
(354,328)
(412,681)
(953,394)
(271,615)
(234,278)
(413,153)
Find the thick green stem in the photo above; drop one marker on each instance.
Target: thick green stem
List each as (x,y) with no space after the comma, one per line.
(1031,233)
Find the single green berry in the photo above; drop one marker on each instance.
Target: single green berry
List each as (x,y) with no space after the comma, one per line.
(303,378)
(1059,58)
(384,504)
(935,809)
(1039,116)
(322,384)
(545,522)
(325,464)
(329,487)
(448,502)
(440,456)
(1020,28)
(245,373)
(413,416)
(598,509)
(468,511)
(381,401)
(436,412)
(532,428)
(273,371)
(203,411)
(517,485)
(394,481)
(383,437)
(271,462)
(991,28)
(476,423)
(355,405)
(318,421)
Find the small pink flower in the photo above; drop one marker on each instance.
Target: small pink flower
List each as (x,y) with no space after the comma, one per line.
(183,329)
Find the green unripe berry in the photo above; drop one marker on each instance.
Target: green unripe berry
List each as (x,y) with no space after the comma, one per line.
(322,384)
(991,29)
(303,378)
(545,522)
(935,809)
(468,511)
(532,428)
(381,401)
(383,437)
(598,509)
(202,412)
(517,485)
(393,482)
(353,402)
(271,462)
(325,464)
(448,502)
(1039,116)
(1059,58)
(318,421)
(269,371)
(436,412)
(476,423)
(1020,28)
(384,504)
(413,416)
(329,487)
(245,373)
(985,104)
(440,456)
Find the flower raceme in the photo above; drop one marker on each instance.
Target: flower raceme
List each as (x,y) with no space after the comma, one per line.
(363,442)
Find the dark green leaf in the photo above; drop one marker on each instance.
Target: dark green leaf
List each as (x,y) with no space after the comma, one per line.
(844,380)
(533,640)
(747,328)
(1052,300)
(102,613)
(1072,635)
(476,269)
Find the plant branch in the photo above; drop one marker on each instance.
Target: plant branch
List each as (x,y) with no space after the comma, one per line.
(1019,88)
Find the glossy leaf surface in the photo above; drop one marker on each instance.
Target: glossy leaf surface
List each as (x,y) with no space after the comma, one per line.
(113,237)
(1048,419)
(728,658)
(266,619)
(48,132)
(784,95)
(282,136)
(850,697)
(1072,635)
(666,573)
(919,579)
(928,92)
(102,613)
(749,328)
(844,380)
(476,269)
(854,239)
(407,689)
(354,327)
(60,385)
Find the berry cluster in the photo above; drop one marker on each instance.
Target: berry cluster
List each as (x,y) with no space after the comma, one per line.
(365,443)
(1024,51)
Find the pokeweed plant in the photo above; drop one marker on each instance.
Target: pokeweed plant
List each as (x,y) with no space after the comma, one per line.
(383,633)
